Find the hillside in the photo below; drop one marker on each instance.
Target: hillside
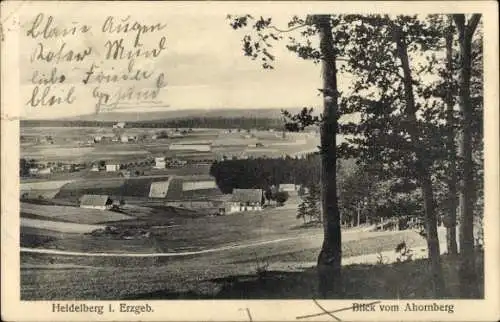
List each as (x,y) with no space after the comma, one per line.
(213,118)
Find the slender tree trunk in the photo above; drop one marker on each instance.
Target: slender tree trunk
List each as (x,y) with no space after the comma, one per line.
(451,221)
(434,252)
(467,271)
(329,259)
(358,214)
(422,166)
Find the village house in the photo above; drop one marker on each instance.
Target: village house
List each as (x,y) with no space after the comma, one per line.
(175,163)
(112,166)
(44,171)
(119,125)
(290,188)
(195,195)
(246,200)
(125,173)
(160,163)
(101,202)
(95,168)
(124,139)
(34,171)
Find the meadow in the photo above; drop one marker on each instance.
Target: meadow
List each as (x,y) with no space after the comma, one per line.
(72,214)
(67,143)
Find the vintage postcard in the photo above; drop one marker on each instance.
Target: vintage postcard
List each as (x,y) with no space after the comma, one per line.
(249,161)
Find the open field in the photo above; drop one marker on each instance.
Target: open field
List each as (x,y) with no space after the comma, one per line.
(73,214)
(67,141)
(216,275)
(44,185)
(213,251)
(165,252)
(134,187)
(65,227)
(174,232)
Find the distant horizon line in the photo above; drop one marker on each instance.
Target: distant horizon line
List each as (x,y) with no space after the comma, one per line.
(168,110)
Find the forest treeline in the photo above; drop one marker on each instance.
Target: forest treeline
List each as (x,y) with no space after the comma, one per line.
(264,173)
(217,122)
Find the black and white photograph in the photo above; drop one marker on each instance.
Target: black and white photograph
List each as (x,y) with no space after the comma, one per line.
(186,151)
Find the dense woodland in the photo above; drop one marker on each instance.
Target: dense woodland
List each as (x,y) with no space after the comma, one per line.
(264,173)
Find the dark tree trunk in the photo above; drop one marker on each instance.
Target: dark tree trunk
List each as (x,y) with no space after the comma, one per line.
(329,259)
(434,253)
(467,271)
(422,166)
(451,220)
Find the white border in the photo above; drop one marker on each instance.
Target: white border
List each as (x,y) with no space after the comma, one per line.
(465,310)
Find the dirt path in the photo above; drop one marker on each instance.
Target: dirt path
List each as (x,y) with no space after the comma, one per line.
(313,238)
(174,254)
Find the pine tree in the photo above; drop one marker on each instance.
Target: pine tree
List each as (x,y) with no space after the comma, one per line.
(312,202)
(302,211)
(467,272)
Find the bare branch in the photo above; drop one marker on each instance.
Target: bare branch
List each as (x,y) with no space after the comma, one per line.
(288,30)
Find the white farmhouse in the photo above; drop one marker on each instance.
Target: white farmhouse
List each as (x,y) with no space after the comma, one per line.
(34,171)
(290,188)
(246,200)
(45,171)
(112,167)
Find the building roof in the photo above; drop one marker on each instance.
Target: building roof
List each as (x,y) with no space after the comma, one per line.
(286,187)
(247,195)
(94,200)
(176,191)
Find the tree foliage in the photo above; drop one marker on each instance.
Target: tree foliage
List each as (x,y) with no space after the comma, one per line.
(403,95)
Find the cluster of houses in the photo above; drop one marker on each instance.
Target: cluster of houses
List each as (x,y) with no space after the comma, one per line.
(43,168)
(195,195)
(123,138)
(162,163)
(120,137)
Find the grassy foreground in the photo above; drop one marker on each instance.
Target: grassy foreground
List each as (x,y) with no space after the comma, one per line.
(409,280)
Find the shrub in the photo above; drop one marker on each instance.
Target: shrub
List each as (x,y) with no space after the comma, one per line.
(405,253)
(281,197)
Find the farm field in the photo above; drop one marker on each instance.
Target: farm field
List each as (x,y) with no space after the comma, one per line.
(73,214)
(211,246)
(171,231)
(174,232)
(67,141)
(65,227)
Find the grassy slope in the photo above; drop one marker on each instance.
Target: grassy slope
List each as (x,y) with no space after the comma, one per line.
(72,214)
(156,281)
